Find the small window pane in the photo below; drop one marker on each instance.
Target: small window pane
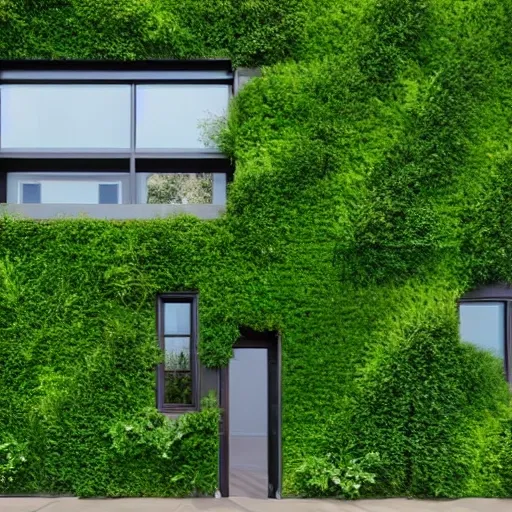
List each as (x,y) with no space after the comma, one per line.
(109,193)
(178,375)
(174,116)
(72,192)
(483,324)
(177,318)
(177,353)
(180,189)
(31,193)
(65,116)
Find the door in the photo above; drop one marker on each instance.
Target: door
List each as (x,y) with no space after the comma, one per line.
(250,444)
(248,423)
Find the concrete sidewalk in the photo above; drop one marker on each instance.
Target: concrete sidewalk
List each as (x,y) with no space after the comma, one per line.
(250,505)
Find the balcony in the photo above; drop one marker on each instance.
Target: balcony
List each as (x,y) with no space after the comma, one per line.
(111,211)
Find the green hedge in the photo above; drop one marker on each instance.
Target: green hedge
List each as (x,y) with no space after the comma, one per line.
(372,189)
(78,350)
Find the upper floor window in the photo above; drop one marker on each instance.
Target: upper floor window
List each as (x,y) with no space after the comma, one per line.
(485,321)
(56,116)
(150,120)
(90,116)
(176,116)
(177,387)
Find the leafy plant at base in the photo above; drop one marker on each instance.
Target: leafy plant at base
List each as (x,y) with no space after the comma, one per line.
(330,476)
(12,457)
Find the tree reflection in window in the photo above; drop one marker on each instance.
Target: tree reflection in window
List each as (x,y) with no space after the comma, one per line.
(178,377)
(181,188)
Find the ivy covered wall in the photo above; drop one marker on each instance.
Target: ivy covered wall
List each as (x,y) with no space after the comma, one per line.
(371,191)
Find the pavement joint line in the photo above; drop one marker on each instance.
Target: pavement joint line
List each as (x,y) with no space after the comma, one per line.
(45,505)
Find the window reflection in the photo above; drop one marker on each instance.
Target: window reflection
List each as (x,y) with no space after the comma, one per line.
(180,188)
(178,375)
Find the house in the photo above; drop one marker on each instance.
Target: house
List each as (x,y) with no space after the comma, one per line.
(317,300)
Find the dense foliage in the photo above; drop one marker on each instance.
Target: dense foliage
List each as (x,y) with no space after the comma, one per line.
(372,189)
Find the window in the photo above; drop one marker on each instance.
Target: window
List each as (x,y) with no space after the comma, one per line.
(175,116)
(109,193)
(485,321)
(31,193)
(66,189)
(57,116)
(182,188)
(149,119)
(177,331)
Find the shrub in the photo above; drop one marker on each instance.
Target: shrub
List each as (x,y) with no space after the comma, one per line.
(326,476)
(12,456)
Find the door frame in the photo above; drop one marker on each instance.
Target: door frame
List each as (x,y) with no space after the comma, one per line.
(271,341)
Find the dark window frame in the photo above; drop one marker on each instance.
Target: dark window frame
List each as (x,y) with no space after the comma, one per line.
(501,293)
(192,299)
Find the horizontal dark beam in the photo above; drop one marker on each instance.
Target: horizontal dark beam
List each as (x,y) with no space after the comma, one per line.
(163,165)
(115,65)
(490,292)
(107,154)
(65,165)
(156,165)
(8,79)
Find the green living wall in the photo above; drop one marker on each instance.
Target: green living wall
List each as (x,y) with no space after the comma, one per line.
(372,189)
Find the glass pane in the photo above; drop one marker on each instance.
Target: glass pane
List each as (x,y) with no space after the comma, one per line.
(483,324)
(219,192)
(177,353)
(179,189)
(31,193)
(174,116)
(65,116)
(76,192)
(177,318)
(109,193)
(178,376)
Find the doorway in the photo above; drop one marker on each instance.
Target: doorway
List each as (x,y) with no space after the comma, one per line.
(250,443)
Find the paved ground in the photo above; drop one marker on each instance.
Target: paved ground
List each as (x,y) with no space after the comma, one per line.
(249,505)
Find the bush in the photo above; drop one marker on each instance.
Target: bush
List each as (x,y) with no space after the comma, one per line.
(12,456)
(326,476)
